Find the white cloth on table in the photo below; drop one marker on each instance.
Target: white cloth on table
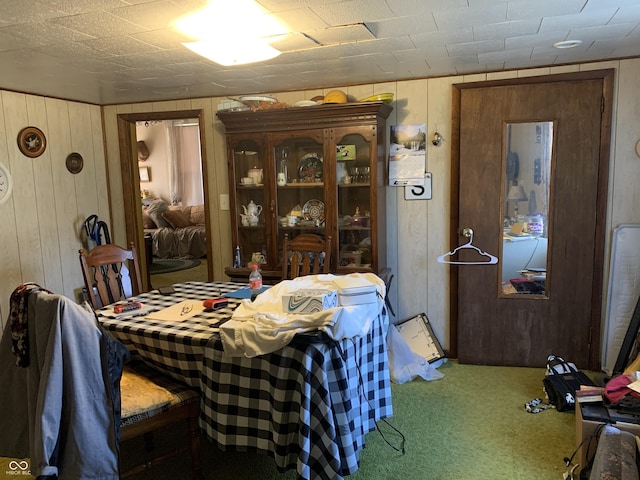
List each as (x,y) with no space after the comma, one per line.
(262,326)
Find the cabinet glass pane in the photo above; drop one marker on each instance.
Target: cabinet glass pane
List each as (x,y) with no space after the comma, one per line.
(300,183)
(353,174)
(248,172)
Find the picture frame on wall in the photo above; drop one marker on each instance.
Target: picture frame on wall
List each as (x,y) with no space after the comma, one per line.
(144,174)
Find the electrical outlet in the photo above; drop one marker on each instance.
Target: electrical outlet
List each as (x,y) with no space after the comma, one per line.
(224,201)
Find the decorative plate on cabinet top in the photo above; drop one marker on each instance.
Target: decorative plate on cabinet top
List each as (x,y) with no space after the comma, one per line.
(313,210)
(310,167)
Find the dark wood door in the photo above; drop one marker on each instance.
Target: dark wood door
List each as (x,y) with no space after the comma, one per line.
(519,330)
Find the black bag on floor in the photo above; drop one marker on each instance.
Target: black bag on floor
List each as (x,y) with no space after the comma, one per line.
(561,382)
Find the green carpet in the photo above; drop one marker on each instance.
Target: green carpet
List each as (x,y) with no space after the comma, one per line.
(469,425)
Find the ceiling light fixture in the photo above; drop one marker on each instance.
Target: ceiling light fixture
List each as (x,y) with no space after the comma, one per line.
(232,33)
(567,44)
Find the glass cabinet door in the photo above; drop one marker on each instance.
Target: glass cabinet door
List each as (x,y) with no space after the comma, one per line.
(249,202)
(355,222)
(300,177)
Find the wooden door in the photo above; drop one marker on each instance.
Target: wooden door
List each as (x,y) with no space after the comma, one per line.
(523,330)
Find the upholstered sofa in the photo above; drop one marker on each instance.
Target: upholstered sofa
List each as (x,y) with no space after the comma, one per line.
(177,231)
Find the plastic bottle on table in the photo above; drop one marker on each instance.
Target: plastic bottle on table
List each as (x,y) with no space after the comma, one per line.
(255,280)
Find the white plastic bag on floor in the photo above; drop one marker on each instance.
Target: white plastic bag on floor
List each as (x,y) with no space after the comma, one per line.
(405,364)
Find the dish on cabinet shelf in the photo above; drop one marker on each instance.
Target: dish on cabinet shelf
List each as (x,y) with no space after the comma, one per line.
(310,167)
(313,210)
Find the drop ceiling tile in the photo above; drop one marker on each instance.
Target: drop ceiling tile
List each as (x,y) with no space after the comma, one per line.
(23,11)
(301,19)
(121,45)
(73,51)
(442,38)
(580,20)
(73,7)
(505,55)
(352,11)
(516,28)
(342,34)
(165,39)
(44,33)
(457,18)
(293,42)
(154,15)
(402,26)
(527,9)
(422,8)
(618,30)
(98,24)
(473,48)
(384,45)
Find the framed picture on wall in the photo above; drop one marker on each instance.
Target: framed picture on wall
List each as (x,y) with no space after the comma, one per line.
(144,174)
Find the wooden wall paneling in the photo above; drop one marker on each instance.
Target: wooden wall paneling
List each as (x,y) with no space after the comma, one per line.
(219,230)
(98,160)
(118,227)
(439,94)
(45,223)
(627,164)
(24,191)
(9,254)
(412,222)
(66,202)
(85,180)
(218,183)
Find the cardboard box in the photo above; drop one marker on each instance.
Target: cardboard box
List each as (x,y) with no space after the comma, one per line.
(595,415)
(309,301)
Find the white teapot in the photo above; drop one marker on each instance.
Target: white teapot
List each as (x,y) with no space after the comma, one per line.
(252,209)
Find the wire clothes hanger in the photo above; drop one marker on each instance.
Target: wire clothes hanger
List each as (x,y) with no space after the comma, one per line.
(467,232)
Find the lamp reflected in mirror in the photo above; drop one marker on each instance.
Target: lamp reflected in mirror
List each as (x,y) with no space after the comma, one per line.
(516,194)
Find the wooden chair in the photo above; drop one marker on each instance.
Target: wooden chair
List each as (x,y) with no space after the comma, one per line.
(302,255)
(107,274)
(150,400)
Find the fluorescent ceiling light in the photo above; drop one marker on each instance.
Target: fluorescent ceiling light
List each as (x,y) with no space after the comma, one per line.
(237,54)
(232,32)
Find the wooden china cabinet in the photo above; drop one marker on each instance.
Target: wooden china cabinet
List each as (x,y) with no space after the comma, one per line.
(318,169)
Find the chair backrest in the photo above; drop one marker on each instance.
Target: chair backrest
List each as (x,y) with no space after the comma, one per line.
(302,255)
(107,271)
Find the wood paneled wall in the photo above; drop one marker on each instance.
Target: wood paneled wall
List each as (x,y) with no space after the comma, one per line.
(42,222)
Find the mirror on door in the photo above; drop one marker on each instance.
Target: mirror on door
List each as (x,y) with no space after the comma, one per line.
(528,153)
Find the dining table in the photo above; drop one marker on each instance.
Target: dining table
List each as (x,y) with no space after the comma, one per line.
(308,405)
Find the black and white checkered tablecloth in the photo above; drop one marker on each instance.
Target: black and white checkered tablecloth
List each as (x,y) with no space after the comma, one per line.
(175,348)
(308,405)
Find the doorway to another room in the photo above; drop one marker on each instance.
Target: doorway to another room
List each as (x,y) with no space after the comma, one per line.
(165,193)
(172,193)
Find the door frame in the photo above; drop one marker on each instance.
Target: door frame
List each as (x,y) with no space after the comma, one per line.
(131,179)
(607,77)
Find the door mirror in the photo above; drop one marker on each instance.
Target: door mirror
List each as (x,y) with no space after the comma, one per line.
(528,152)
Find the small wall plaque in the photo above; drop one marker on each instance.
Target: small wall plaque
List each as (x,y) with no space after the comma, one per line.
(32,142)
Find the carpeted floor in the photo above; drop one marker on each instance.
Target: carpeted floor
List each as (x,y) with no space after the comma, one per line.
(469,425)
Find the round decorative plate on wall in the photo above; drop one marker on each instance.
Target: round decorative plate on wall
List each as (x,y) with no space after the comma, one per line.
(5,184)
(32,142)
(74,162)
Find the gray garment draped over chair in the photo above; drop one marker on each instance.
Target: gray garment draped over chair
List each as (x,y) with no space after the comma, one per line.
(59,411)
